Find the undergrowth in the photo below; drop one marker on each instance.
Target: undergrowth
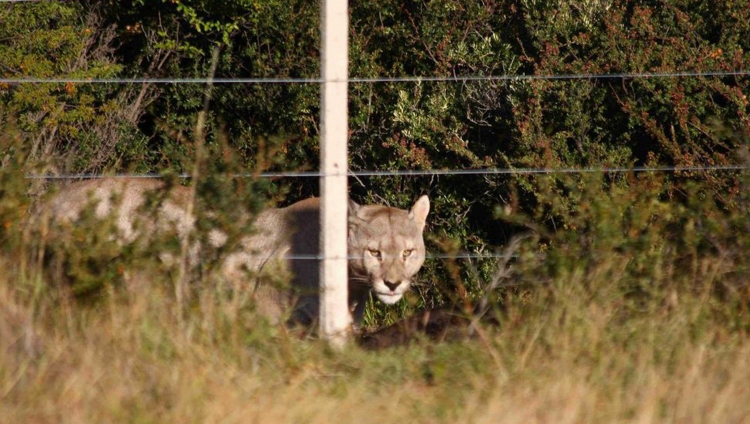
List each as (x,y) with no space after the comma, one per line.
(635,309)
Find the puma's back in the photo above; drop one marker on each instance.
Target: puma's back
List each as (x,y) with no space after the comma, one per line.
(124,198)
(385,244)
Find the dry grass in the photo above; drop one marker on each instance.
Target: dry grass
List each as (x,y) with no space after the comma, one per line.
(130,359)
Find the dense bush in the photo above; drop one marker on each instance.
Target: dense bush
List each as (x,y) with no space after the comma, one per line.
(513,123)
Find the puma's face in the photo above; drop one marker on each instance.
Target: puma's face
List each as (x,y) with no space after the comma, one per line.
(386,247)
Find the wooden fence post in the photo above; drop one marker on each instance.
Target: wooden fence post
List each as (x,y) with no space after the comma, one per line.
(335,320)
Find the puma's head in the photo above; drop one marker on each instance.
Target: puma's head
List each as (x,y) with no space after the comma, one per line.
(386,247)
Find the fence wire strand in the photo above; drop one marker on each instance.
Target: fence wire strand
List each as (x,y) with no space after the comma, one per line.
(372,80)
(426,172)
(444,256)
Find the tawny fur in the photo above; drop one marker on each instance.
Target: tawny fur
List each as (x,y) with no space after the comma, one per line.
(385,245)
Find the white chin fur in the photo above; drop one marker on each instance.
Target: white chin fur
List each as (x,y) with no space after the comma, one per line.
(389,299)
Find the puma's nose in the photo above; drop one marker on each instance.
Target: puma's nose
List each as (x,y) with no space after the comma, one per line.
(392,285)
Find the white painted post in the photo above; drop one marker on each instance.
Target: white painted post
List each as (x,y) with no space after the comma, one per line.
(335,320)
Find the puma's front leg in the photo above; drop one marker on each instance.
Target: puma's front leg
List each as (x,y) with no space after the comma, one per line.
(359,302)
(357,316)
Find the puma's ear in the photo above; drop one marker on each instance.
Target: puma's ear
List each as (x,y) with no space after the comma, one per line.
(420,210)
(353,208)
(353,219)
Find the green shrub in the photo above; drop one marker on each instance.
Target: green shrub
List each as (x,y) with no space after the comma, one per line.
(514,123)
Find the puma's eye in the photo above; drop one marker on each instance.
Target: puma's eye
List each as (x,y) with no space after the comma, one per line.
(374,253)
(406,253)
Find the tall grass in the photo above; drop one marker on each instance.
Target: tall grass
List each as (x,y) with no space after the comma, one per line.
(557,356)
(635,310)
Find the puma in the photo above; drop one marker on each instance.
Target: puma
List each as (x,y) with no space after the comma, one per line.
(385,244)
